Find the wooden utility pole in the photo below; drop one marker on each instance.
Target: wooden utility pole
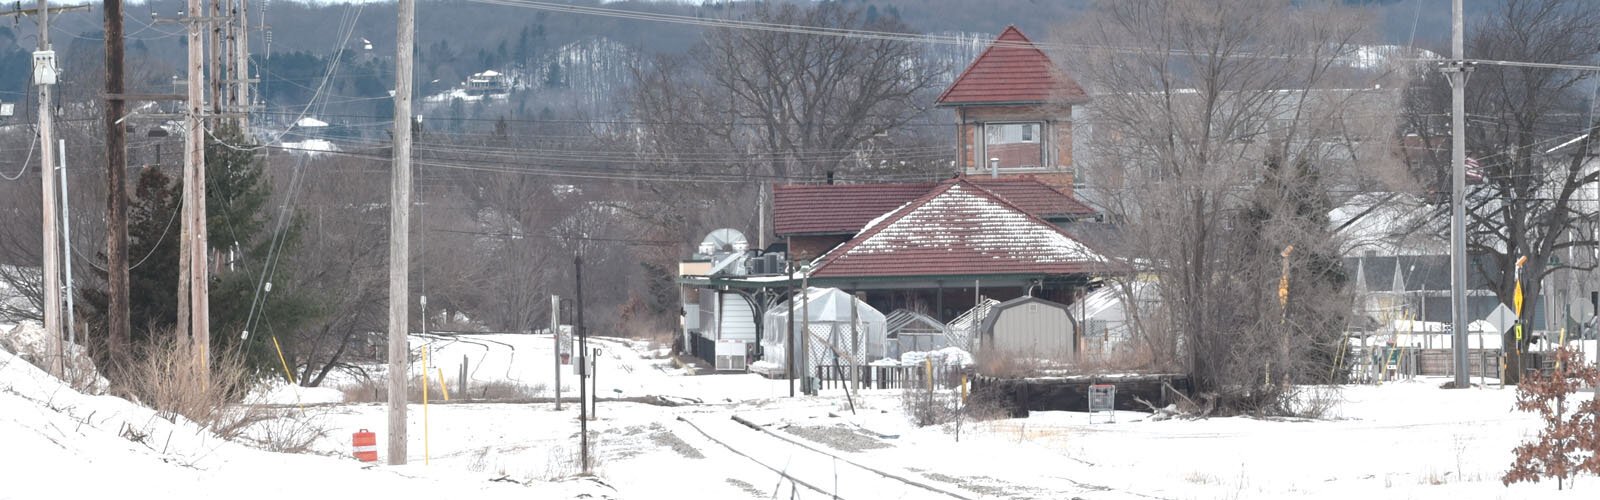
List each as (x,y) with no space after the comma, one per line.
(399,233)
(219,64)
(241,65)
(44,76)
(116,189)
(193,276)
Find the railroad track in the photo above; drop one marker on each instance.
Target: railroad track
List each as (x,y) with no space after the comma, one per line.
(825,473)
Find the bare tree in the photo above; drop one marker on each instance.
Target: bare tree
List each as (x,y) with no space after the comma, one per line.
(1222,131)
(1532,131)
(808,97)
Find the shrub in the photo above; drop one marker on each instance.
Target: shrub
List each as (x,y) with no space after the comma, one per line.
(1569,444)
(170,378)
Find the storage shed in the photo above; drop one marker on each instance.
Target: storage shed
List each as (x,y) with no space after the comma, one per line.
(1031,327)
(727,328)
(829,310)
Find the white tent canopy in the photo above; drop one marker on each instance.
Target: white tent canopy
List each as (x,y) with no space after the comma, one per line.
(828,312)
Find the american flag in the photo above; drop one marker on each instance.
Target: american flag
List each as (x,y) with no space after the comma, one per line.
(1474,172)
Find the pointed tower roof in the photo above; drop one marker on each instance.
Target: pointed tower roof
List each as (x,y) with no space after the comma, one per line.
(959,228)
(1012,71)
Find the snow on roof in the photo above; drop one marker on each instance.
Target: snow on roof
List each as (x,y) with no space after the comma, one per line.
(1388,223)
(309,122)
(958,229)
(849,208)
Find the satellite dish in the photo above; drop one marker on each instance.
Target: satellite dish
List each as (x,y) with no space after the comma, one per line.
(726,248)
(723,241)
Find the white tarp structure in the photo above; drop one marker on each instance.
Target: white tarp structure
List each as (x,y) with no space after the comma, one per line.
(1105,312)
(829,313)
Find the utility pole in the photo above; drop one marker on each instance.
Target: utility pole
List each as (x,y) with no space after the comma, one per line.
(790,340)
(1456,70)
(116,189)
(44,75)
(399,232)
(219,66)
(66,244)
(555,336)
(805,331)
(193,294)
(241,62)
(583,361)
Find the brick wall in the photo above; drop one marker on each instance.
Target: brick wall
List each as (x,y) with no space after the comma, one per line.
(1058,118)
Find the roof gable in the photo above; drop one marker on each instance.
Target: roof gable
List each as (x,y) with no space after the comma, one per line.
(1012,71)
(958,228)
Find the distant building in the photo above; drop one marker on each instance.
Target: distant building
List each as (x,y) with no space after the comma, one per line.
(488,82)
(931,251)
(1014,112)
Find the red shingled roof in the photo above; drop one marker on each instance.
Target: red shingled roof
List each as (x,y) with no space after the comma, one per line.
(958,229)
(836,208)
(1012,71)
(845,208)
(1034,197)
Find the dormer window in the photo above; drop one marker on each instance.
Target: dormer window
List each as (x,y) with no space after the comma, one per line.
(1011,146)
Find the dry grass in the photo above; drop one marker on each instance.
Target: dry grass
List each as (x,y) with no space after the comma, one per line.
(287,431)
(1132,357)
(1008,365)
(377,391)
(172,379)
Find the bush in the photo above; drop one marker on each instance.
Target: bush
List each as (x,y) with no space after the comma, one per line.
(170,378)
(1569,444)
(376,390)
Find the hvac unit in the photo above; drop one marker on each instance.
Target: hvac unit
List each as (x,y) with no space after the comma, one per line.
(732,355)
(775,262)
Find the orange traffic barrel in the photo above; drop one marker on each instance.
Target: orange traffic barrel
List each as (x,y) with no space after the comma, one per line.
(365,446)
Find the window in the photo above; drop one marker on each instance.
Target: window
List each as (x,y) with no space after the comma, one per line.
(1013,145)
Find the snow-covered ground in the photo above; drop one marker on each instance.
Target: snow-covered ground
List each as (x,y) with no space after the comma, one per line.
(1399,440)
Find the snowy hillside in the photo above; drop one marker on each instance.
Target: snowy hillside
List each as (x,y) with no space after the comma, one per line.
(63,444)
(663,434)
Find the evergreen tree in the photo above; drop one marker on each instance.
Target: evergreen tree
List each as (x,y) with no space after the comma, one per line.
(553,77)
(239,243)
(243,246)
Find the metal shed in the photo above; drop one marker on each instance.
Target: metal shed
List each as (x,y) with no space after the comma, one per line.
(1031,327)
(829,312)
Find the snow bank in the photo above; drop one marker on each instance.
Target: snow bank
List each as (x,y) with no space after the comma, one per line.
(286,394)
(115,448)
(949,356)
(27,340)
